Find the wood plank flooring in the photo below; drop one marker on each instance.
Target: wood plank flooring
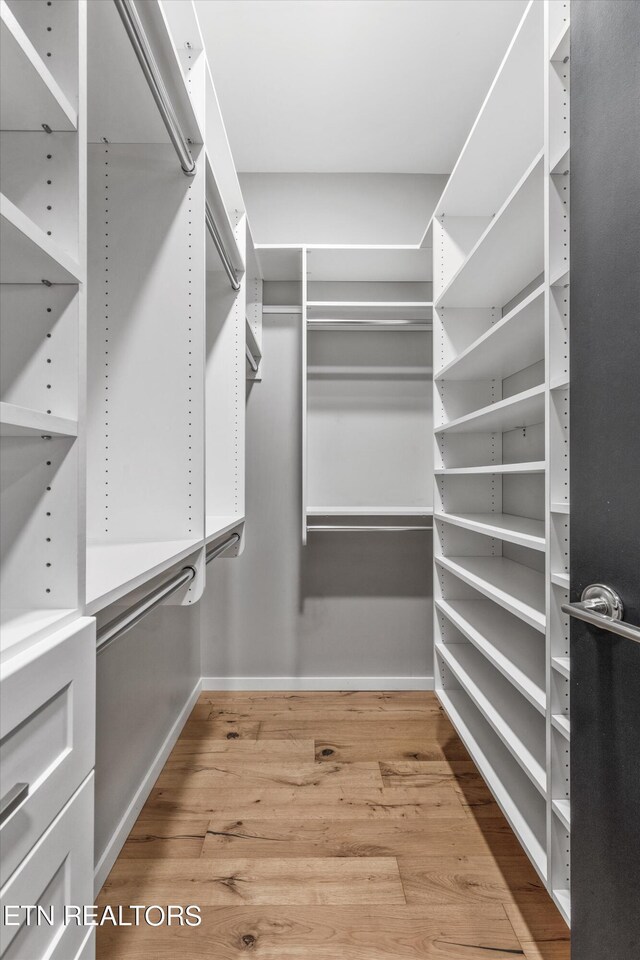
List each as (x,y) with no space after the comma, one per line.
(327,826)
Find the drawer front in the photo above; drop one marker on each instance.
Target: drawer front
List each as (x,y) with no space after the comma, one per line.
(47,733)
(57,872)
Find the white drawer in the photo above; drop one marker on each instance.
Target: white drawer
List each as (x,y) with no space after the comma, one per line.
(57,872)
(47,732)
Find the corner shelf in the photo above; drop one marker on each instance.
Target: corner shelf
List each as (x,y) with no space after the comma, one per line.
(29,94)
(29,255)
(516,588)
(521,410)
(18,421)
(513,529)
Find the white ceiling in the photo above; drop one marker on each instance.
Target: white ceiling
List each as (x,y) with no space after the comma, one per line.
(374,86)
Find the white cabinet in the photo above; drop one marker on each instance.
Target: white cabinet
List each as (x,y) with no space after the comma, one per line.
(47,732)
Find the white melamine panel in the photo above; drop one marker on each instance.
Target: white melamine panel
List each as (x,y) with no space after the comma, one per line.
(514,529)
(30,95)
(58,871)
(39,545)
(521,729)
(520,802)
(254,290)
(39,343)
(146,337)
(514,586)
(533,467)
(225,390)
(499,266)
(40,176)
(56,31)
(370,264)
(511,344)
(16,421)
(521,410)
(508,129)
(29,255)
(217,147)
(47,739)
(514,648)
(369,419)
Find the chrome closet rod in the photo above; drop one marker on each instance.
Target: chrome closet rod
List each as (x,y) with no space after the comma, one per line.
(142,48)
(125,621)
(219,245)
(370,323)
(216,551)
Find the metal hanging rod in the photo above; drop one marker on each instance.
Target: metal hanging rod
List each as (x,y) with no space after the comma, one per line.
(142,48)
(219,245)
(251,359)
(377,528)
(336,323)
(125,621)
(216,551)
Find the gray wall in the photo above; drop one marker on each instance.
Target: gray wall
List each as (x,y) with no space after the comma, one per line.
(143,682)
(344,606)
(385,208)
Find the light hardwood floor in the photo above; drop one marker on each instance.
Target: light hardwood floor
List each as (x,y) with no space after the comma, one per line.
(328,826)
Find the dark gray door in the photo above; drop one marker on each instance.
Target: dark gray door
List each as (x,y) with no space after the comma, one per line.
(605,474)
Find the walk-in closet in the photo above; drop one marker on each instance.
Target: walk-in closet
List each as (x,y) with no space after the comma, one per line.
(320,582)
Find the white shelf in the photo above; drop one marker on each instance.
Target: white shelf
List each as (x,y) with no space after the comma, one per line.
(20,625)
(562,665)
(560,278)
(500,265)
(487,689)
(515,342)
(29,95)
(521,410)
(507,131)
(521,530)
(562,724)
(516,588)
(359,511)
(562,810)
(560,507)
(562,899)
(560,47)
(560,580)
(531,467)
(513,791)
(18,421)
(514,648)
(216,526)
(562,164)
(28,254)
(115,569)
(560,382)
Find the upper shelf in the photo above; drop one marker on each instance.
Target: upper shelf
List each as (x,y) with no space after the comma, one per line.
(30,97)
(380,315)
(28,254)
(521,410)
(16,421)
(512,344)
(500,265)
(508,129)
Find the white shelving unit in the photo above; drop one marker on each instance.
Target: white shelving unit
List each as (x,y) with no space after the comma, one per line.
(501,382)
(367,391)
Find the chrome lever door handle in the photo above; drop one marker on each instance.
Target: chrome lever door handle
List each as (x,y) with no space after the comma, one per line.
(602,607)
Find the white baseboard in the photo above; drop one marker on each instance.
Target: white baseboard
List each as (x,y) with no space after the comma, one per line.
(123,829)
(317,683)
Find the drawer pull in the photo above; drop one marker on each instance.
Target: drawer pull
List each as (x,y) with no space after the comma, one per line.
(12,800)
